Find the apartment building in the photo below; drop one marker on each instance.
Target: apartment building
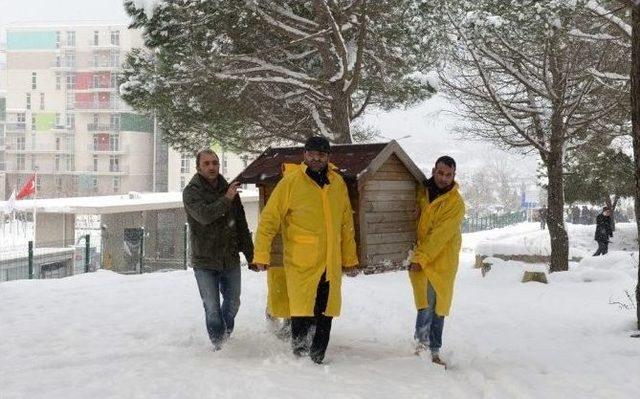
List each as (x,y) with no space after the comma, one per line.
(64,118)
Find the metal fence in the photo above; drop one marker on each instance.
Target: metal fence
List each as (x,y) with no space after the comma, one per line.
(47,259)
(473,224)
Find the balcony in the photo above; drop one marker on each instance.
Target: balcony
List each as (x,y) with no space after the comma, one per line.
(120,171)
(95,88)
(62,66)
(108,149)
(102,127)
(39,150)
(97,105)
(16,127)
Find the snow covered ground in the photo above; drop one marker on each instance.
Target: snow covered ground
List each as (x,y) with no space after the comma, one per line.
(103,335)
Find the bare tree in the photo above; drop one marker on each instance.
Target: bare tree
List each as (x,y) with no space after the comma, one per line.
(523,81)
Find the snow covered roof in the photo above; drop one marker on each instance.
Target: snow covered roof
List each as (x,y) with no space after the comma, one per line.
(100,205)
(354,161)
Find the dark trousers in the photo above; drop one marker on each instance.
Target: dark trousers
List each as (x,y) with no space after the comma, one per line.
(300,327)
(603,248)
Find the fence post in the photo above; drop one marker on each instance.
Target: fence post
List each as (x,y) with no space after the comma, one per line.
(30,260)
(87,252)
(141,248)
(184,245)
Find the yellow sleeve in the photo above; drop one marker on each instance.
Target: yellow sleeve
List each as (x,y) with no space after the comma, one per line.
(349,251)
(448,225)
(421,196)
(269,225)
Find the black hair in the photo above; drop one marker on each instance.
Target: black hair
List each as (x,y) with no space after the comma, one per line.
(447,160)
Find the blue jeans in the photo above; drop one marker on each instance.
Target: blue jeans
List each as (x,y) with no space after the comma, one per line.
(429,325)
(212,284)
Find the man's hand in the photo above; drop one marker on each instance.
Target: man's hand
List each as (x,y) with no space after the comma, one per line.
(415,267)
(351,271)
(232,190)
(258,267)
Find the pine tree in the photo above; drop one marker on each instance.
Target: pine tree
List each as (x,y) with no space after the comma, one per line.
(251,73)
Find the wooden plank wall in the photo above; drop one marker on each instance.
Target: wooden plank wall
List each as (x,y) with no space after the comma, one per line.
(389,205)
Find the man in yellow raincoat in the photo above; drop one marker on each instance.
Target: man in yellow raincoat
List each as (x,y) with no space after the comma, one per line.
(435,259)
(311,206)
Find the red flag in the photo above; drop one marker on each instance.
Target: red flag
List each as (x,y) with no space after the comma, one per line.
(28,188)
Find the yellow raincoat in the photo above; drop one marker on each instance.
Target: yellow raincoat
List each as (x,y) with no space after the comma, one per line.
(438,248)
(317,234)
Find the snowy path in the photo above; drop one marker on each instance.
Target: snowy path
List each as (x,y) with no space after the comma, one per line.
(104,335)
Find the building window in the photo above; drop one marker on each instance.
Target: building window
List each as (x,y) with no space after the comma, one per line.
(96,60)
(96,37)
(58,183)
(58,120)
(114,142)
(34,164)
(58,143)
(70,162)
(33,123)
(115,37)
(58,81)
(70,59)
(116,184)
(185,166)
(94,183)
(71,81)
(28,101)
(34,80)
(38,183)
(20,163)
(96,119)
(95,162)
(114,80)
(71,38)
(57,163)
(41,101)
(74,183)
(115,59)
(114,164)
(114,121)
(58,40)
(71,121)
(21,117)
(58,61)
(20,143)
(183,182)
(96,81)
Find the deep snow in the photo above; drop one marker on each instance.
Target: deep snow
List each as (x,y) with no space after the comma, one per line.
(104,335)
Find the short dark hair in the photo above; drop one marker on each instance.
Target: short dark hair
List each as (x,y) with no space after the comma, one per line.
(205,151)
(447,160)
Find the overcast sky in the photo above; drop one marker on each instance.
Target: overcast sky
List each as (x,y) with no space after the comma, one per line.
(428,128)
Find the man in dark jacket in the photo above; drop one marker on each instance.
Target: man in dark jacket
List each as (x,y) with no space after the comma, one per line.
(219,232)
(603,231)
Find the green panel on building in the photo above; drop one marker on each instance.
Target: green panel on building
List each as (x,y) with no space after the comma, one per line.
(31,40)
(44,121)
(136,123)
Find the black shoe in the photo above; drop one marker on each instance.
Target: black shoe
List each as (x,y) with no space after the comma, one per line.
(301,352)
(317,359)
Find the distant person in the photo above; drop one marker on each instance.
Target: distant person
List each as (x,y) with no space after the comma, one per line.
(434,263)
(218,232)
(603,231)
(543,217)
(575,215)
(585,215)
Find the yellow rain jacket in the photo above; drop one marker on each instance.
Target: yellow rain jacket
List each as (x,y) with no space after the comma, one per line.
(438,248)
(317,234)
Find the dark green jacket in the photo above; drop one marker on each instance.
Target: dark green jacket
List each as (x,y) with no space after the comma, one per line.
(218,225)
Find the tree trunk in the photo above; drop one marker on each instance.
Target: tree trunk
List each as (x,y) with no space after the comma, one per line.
(341,120)
(555,212)
(635,119)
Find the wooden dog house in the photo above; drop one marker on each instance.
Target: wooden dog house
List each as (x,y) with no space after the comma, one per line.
(382,182)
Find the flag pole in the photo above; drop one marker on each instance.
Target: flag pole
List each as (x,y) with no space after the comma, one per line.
(35,195)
